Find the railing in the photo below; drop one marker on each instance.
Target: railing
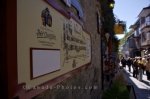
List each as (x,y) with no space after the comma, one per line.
(144,25)
(146,41)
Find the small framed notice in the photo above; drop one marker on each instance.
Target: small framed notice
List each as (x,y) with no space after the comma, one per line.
(44,61)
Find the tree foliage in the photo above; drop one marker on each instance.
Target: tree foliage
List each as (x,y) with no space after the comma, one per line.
(108,22)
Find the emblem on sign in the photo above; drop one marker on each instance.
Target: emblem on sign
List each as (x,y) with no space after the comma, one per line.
(46,17)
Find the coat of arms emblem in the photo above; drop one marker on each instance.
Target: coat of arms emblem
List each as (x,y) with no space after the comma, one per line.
(46,17)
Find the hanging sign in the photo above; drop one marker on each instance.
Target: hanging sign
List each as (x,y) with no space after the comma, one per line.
(118,29)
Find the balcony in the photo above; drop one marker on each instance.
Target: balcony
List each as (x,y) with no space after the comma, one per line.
(145,41)
(145,27)
(137,32)
(145,24)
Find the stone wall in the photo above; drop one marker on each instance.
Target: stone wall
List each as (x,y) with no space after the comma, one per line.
(87,81)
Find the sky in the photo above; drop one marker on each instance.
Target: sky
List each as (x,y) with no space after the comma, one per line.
(128,10)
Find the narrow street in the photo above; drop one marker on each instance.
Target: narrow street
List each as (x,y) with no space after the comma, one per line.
(142,89)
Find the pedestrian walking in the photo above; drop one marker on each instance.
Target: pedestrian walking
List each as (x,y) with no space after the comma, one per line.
(148,69)
(135,68)
(140,65)
(144,61)
(129,62)
(123,62)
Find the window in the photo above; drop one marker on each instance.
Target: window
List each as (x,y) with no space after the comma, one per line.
(148,36)
(136,34)
(143,37)
(76,5)
(142,22)
(147,20)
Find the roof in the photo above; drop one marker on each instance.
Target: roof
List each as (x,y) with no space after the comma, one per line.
(135,25)
(145,11)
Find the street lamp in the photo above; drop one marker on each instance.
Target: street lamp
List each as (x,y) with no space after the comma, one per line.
(111,3)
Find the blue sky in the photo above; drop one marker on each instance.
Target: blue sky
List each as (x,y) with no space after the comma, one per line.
(128,10)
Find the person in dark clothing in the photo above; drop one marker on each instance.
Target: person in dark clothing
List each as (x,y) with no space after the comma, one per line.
(129,63)
(123,62)
(148,69)
(135,68)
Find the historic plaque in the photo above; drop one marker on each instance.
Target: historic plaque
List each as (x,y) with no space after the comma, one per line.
(49,43)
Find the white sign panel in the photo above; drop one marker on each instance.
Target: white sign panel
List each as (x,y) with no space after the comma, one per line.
(45,61)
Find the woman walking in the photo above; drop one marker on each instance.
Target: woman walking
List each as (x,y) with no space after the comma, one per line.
(148,69)
(141,68)
(135,68)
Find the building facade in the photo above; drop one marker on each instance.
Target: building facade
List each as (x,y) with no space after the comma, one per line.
(138,43)
(144,17)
